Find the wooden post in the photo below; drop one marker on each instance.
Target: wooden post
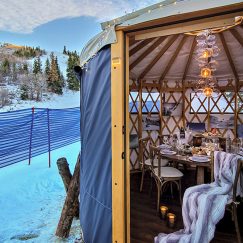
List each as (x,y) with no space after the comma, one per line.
(70,205)
(64,171)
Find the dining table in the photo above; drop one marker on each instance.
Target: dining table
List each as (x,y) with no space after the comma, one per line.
(185,160)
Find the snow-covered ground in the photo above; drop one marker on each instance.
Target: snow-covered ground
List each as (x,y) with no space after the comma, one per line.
(31,199)
(50,100)
(53,101)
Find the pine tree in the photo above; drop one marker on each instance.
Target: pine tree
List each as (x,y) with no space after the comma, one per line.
(24,92)
(72,81)
(5,67)
(47,67)
(14,72)
(25,68)
(64,50)
(37,66)
(54,81)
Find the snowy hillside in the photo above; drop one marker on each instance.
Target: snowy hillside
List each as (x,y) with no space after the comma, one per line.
(49,100)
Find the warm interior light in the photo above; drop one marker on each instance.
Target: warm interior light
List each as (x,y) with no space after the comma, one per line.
(207,91)
(116,61)
(206,54)
(206,72)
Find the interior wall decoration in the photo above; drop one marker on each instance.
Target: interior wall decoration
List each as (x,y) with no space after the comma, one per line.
(172,109)
(221,122)
(151,122)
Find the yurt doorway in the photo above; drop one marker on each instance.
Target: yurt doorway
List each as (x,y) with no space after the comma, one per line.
(165,108)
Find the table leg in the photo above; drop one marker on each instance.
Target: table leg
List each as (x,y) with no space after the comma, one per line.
(200,175)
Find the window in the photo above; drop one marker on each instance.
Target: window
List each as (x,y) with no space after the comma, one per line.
(224,103)
(150,102)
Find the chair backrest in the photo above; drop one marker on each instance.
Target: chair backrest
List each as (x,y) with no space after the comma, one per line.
(237,177)
(154,153)
(143,143)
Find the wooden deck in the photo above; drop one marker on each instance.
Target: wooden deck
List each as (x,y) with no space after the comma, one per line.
(146,224)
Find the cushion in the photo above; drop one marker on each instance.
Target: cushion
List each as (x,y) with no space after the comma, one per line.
(168,172)
(163,162)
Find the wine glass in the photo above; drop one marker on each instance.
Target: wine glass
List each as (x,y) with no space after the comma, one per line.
(165,140)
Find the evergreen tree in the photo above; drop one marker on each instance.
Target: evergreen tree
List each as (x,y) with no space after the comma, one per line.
(25,68)
(72,81)
(24,92)
(54,81)
(5,67)
(14,72)
(64,50)
(37,66)
(47,67)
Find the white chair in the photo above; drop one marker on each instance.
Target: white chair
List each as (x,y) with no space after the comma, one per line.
(163,174)
(145,161)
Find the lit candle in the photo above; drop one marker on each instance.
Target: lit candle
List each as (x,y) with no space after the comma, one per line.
(163,210)
(171,220)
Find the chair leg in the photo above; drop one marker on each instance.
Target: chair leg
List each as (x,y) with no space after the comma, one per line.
(141,183)
(236,223)
(158,199)
(171,190)
(180,192)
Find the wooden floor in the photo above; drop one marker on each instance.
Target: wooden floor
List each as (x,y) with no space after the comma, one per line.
(146,224)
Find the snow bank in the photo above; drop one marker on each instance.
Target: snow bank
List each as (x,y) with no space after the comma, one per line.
(32,198)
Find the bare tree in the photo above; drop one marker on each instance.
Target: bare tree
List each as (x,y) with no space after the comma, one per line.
(4,100)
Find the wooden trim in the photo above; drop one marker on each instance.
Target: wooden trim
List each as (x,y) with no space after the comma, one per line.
(139,46)
(171,61)
(182,28)
(160,54)
(127,122)
(117,122)
(147,52)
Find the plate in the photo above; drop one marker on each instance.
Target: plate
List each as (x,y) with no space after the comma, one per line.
(201,159)
(165,146)
(168,152)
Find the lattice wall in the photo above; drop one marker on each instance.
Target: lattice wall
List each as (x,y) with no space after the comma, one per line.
(176,92)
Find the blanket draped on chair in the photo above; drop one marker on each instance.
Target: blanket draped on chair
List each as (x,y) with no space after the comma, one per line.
(204,205)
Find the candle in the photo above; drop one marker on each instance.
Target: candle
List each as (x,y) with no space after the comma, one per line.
(163,210)
(171,220)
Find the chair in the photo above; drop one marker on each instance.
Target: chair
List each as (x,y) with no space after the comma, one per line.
(145,161)
(163,175)
(232,207)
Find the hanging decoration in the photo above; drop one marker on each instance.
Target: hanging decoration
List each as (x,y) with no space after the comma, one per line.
(207,51)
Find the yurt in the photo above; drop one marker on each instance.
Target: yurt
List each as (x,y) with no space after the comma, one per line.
(161,108)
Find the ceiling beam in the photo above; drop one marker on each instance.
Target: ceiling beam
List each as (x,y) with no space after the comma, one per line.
(194,42)
(237,36)
(226,49)
(167,68)
(159,55)
(147,52)
(139,46)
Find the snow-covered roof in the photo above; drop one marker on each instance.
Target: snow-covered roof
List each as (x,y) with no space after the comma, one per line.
(157,11)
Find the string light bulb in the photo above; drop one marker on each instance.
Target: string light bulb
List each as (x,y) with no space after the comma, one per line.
(206,72)
(206,53)
(207,91)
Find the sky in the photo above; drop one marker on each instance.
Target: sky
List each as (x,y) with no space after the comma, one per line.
(51,24)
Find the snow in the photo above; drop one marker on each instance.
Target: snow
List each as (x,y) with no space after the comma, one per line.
(32,198)
(69,99)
